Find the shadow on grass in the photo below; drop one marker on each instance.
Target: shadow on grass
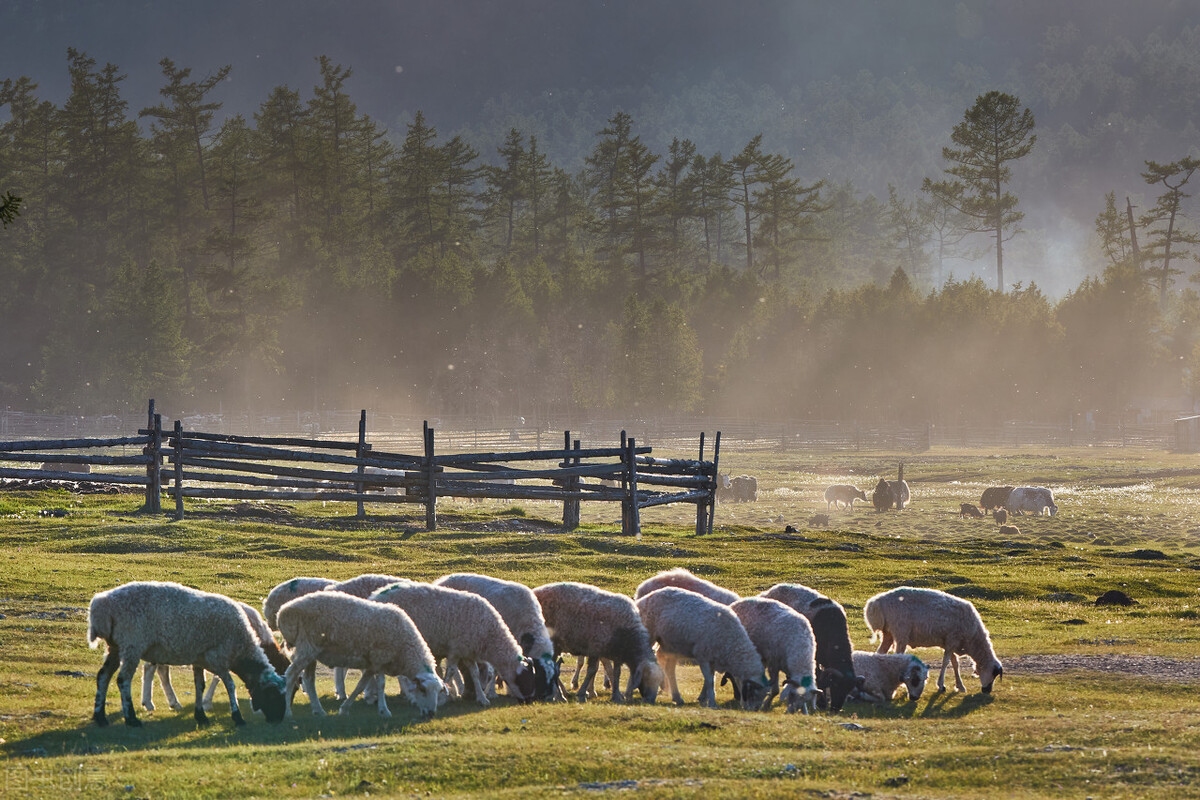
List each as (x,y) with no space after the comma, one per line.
(178,730)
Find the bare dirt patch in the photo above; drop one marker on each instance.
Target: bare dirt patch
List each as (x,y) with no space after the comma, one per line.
(1156,668)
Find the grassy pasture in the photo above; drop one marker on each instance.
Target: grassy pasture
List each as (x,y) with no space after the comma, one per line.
(1128,520)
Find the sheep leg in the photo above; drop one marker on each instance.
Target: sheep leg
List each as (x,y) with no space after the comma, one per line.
(148,686)
(198,677)
(578,669)
(368,679)
(772,691)
(111,662)
(231,690)
(885,643)
(124,684)
(946,656)
(958,684)
(593,665)
(667,662)
(302,672)
(339,683)
(708,695)
(310,689)
(164,677)
(473,673)
(210,693)
(616,683)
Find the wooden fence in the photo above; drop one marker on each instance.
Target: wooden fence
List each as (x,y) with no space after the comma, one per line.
(182,464)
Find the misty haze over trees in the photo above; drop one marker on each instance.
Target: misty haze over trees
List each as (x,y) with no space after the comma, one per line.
(542,263)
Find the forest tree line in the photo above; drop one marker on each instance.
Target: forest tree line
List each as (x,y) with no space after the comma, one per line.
(306,258)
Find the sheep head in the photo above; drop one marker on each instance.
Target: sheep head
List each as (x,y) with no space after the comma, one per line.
(267,695)
(989,674)
(648,677)
(425,691)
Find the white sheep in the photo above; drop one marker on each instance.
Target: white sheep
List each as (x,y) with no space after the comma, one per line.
(522,613)
(843,494)
(342,630)
(915,617)
(1031,500)
(463,628)
(600,626)
(686,625)
(265,639)
(166,623)
(360,586)
(835,673)
(684,579)
(784,640)
(884,673)
(290,590)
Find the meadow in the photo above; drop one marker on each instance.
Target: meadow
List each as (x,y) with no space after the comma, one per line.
(1095,701)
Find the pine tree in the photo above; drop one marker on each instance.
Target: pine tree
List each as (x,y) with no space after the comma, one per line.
(1168,240)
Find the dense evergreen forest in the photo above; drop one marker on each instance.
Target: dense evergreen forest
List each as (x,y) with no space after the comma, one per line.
(307,257)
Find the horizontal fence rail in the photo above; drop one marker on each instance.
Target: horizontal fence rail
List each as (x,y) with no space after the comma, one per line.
(181,463)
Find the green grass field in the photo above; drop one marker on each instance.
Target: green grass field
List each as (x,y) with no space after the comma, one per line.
(1128,726)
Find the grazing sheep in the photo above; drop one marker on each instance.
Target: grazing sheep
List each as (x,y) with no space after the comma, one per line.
(684,579)
(914,617)
(66,466)
(166,623)
(883,498)
(784,640)
(360,586)
(464,629)
(1031,500)
(290,590)
(884,673)
(342,630)
(523,615)
(843,494)
(265,640)
(599,625)
(686,625)
(969,510)
(1010,530)
(994,497)
(1000,515)
(835,667)
(388,474)
(737,489)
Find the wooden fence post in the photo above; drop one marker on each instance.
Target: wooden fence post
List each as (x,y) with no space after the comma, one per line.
(152,499)
(178,470)
(716,469)
(701,507)
(430,482)
(624,488)
(635,516)
(570,507)
(361,452)
(154,467)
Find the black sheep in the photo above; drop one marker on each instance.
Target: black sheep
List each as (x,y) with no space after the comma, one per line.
(882,498)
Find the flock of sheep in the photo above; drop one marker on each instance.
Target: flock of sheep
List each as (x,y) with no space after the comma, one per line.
(462,634)
(1000,501)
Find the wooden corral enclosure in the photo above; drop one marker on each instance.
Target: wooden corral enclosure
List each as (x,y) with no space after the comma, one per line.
(182,464)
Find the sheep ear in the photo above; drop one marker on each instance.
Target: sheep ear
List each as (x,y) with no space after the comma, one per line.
(406,684)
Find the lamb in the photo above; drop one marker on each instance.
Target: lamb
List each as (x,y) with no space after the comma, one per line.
(266,640)
(166,623)
(684,579)
(969,510)
(1000,515)
(290,590)
(932,618)
(883,498)
(737,489)
(835,675)
(884,673)
(843,494)
(600,625)
(994,497)
(686,625)
(1010,530)
(784,640)
(522,613)
(463,628)
(361,586)
(1031,500)
(342,630)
